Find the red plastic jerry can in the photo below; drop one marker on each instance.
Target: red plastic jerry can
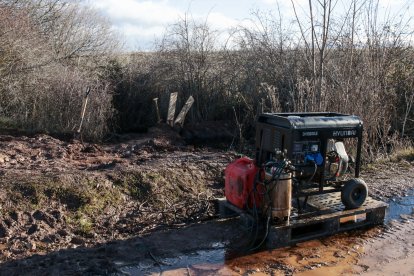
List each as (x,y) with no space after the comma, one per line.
(239,182)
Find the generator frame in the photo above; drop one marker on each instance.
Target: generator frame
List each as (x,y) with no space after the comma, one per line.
(308,150)
(279,132)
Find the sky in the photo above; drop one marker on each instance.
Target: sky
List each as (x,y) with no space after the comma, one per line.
(141,22)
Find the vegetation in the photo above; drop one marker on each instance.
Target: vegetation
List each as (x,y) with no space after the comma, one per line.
(50,51)
(406,154)
(342,59)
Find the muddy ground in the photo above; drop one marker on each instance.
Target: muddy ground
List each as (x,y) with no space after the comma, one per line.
(144,204)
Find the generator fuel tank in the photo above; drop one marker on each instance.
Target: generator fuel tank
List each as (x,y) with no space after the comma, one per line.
(239,182)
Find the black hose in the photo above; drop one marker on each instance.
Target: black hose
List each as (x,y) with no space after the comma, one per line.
(265,237)
(275,177)
(254,231)
(314,173)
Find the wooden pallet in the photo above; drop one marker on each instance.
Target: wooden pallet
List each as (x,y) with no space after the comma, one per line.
(324,215)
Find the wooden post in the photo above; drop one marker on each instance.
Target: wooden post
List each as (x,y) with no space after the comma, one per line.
(157,109)
(83,111)
(171,108)
(181,117)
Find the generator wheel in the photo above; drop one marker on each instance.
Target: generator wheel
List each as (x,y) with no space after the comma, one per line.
(354,193)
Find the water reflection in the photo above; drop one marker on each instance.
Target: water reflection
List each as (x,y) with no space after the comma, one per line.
(234,257)
(400,206)
(341,251)
(216,260)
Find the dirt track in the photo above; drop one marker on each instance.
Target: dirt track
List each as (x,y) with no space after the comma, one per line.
(79,208)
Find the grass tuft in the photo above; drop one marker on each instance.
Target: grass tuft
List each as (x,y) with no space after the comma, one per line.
(404,154)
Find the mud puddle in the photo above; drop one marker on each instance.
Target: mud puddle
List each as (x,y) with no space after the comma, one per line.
(208,261)
(329,257)
(344,253)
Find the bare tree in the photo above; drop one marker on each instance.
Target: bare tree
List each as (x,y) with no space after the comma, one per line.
(186,54)
(40,38)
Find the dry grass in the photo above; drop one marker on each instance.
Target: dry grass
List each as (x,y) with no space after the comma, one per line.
(403,154)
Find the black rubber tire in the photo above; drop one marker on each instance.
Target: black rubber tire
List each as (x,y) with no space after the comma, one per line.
(354,193)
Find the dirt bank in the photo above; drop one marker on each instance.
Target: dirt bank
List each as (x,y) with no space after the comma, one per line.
(56,194)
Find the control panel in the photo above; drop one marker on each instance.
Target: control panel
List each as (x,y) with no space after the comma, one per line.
(307,151)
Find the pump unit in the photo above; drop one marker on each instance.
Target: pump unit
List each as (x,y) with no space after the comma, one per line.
(298,155)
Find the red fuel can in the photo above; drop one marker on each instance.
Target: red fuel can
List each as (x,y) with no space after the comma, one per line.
(239,182)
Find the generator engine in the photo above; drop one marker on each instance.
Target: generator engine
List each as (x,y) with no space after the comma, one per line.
(298,155)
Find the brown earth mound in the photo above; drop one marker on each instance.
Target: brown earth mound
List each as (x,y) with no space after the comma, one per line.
(56,194)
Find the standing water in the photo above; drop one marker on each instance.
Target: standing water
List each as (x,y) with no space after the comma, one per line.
(400,206)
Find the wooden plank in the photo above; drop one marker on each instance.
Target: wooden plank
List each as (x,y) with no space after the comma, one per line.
(157,110)
(171,108)
(84,105)
(181,117)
